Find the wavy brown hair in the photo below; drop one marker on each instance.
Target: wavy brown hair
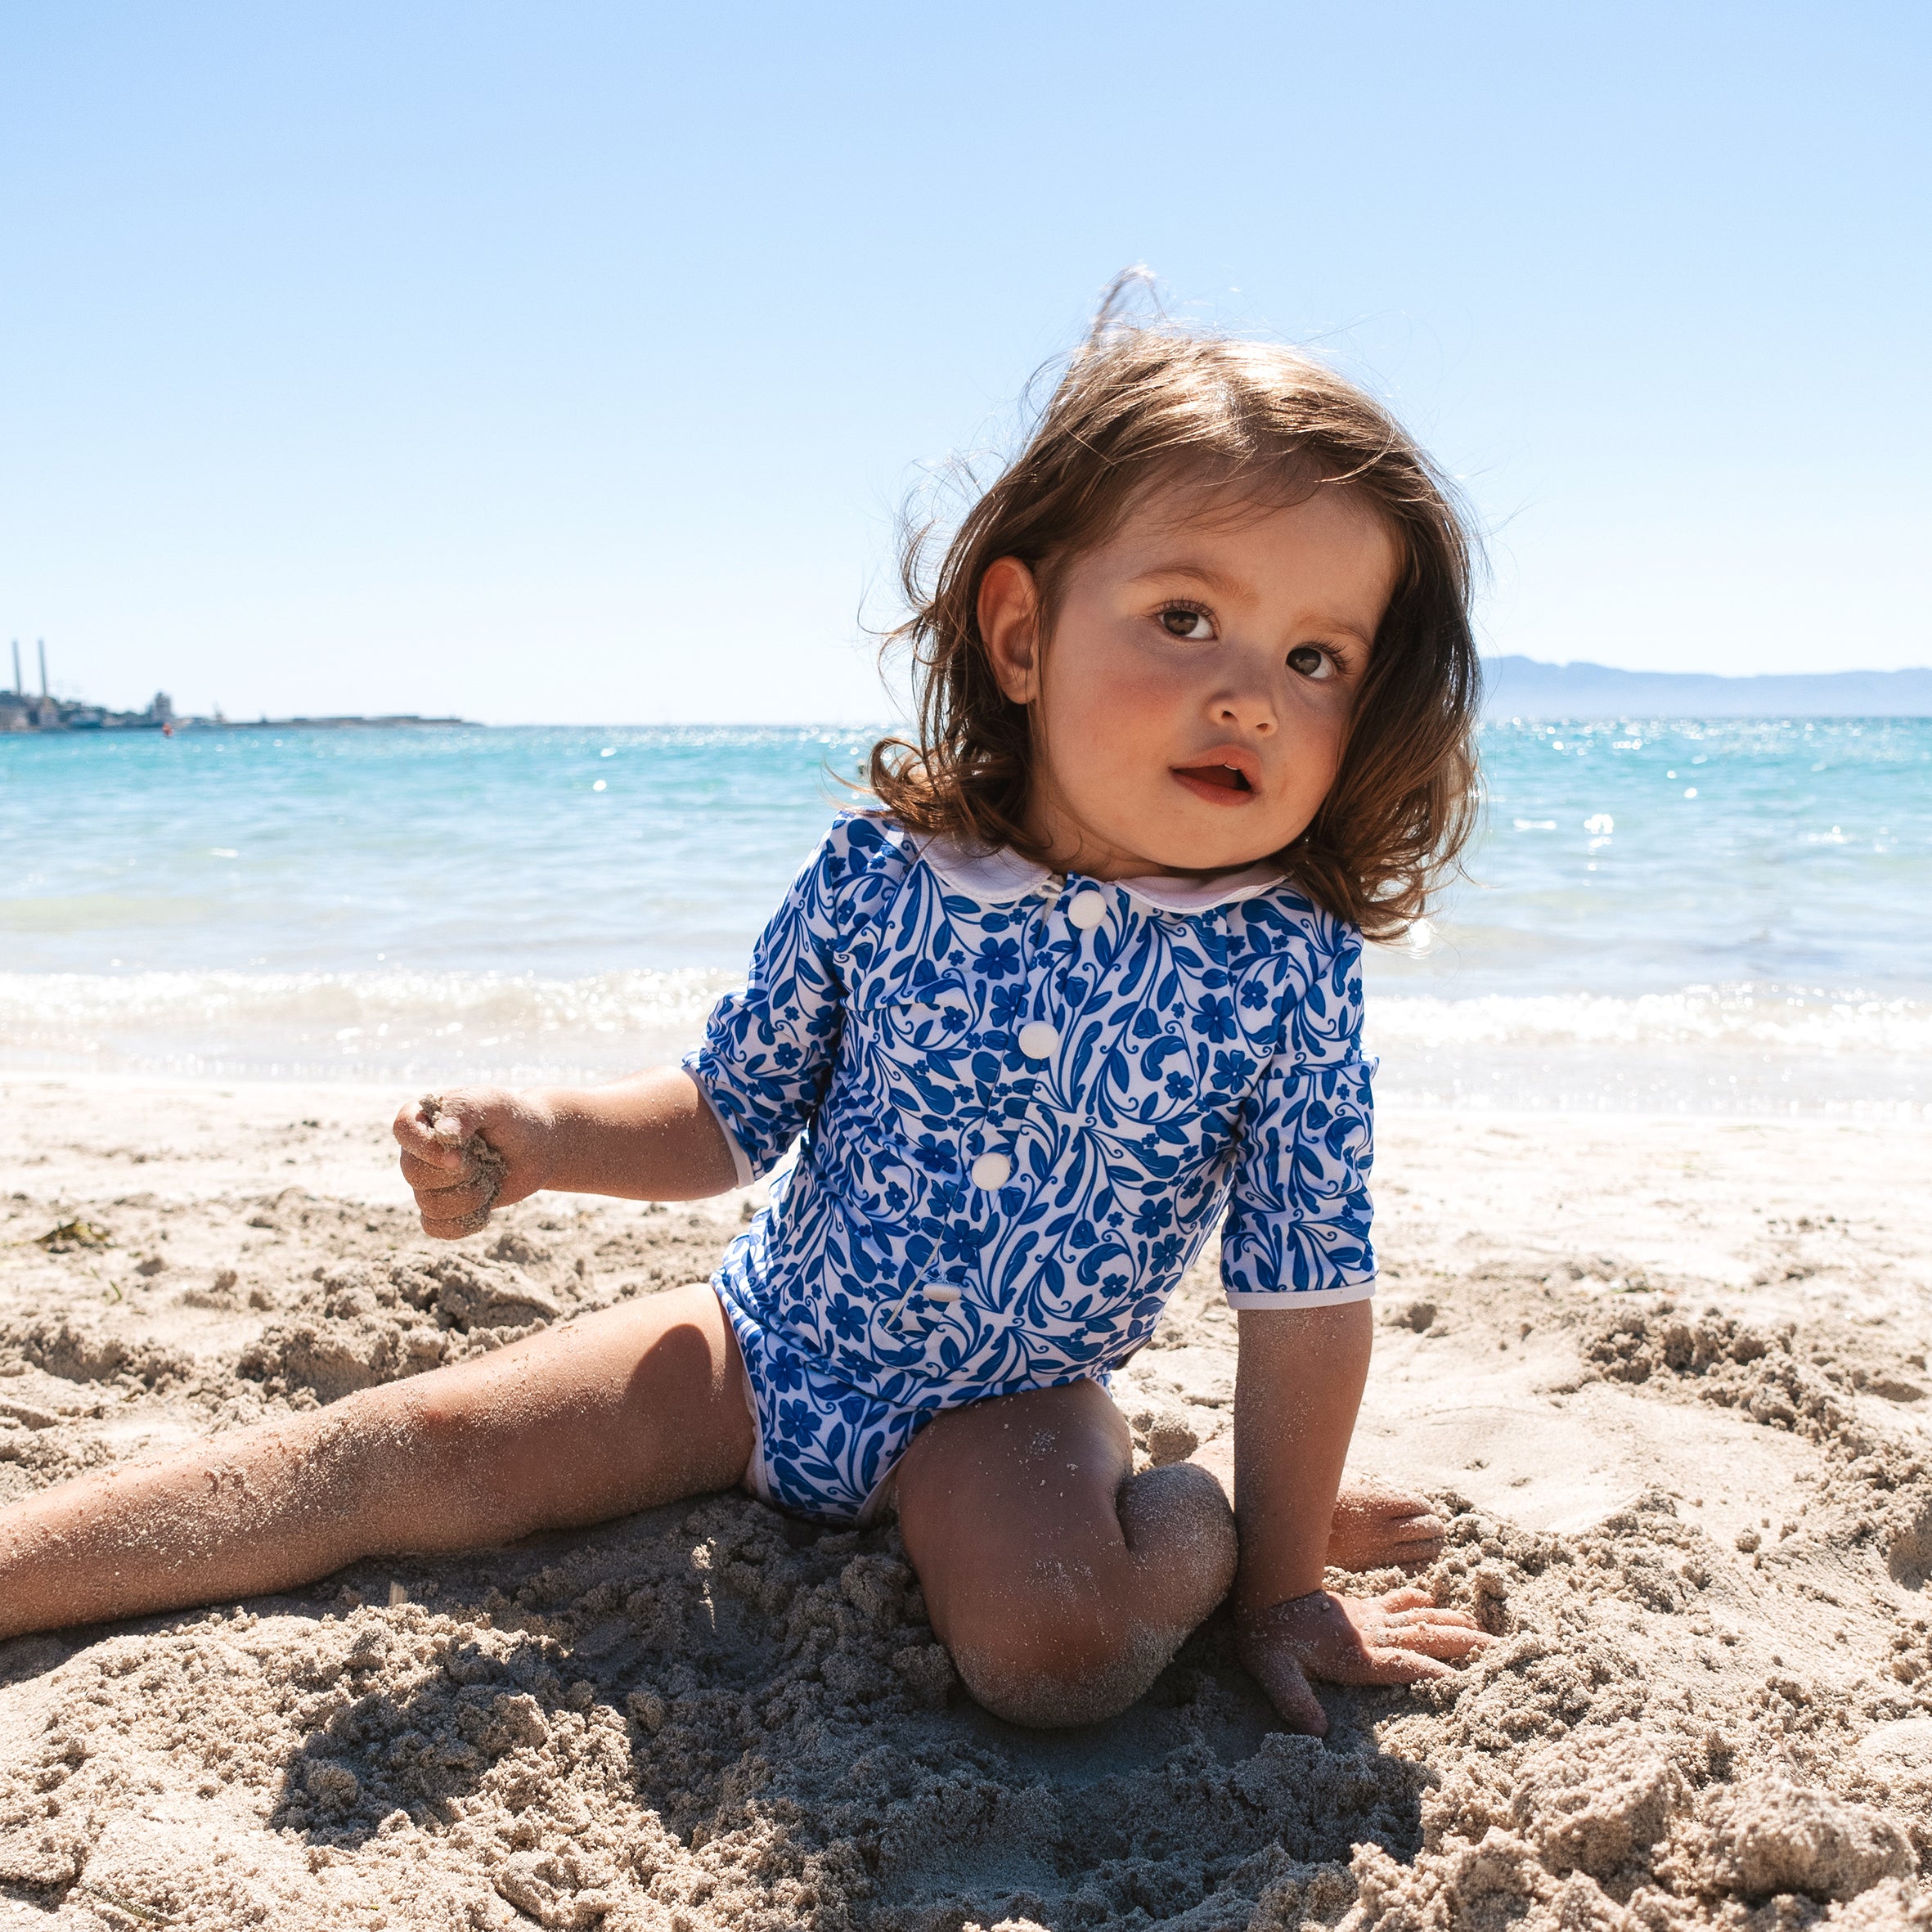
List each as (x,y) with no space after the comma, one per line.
(1142,407)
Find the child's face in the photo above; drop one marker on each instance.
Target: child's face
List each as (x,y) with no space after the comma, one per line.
(1196,691)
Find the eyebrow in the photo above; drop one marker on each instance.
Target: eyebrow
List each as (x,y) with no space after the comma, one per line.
(1200,573)
(1213,580)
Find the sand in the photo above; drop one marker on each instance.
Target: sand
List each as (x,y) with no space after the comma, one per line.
(1668,1376)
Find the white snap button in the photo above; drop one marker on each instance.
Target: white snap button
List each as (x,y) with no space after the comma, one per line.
(990,1171)
(1037,1040)
(941,1291)
(1087,910)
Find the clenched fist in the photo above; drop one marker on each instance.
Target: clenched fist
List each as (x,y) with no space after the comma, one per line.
(484,1148)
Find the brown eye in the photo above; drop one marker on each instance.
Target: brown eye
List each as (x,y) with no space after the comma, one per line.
(1311,661)
(1194,627)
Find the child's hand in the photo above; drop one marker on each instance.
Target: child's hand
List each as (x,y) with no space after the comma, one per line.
(455,1178)
(1394,1639)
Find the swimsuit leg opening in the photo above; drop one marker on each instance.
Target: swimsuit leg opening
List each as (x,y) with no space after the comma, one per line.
(755,1480)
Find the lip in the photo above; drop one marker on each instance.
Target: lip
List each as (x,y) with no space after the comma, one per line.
(1210,791)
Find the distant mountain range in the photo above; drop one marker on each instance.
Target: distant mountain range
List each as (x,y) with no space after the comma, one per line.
(1523,687)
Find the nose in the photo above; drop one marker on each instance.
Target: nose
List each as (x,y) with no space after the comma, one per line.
(1245,711)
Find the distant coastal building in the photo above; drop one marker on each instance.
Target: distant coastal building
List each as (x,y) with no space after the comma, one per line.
(23,711)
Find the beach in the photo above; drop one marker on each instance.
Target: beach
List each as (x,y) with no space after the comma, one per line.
(1666,1374)
(1248,672)
(1655,1233)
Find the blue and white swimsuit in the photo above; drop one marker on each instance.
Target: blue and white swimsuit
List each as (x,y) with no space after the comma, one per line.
(1020,1103)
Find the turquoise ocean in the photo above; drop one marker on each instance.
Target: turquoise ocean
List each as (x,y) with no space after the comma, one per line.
(1724,916)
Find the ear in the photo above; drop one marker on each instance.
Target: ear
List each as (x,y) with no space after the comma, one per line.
(1009,626)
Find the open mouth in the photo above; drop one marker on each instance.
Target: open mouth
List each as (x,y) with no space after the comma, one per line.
(1222,778)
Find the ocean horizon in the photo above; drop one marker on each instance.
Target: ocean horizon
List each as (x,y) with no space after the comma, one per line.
(1694,914)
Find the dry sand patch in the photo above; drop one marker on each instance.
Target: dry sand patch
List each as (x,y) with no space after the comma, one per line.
(711,1716)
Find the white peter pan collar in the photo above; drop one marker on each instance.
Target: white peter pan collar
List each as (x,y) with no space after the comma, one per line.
(997,877)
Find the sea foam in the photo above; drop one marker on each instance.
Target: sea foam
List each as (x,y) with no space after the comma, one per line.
(1749,1048)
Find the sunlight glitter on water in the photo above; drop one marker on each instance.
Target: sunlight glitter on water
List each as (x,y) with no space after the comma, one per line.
(379,904)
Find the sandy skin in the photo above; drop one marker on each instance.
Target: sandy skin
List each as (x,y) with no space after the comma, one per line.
(1376,1525)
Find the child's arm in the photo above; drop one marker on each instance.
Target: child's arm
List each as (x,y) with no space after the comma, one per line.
(728,1116)
(1298,1385)
(649,1138)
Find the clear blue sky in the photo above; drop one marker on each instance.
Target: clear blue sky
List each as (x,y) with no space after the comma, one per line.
(568,360)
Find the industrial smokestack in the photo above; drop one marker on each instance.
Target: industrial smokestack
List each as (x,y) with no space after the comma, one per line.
(18,691)
(43,643)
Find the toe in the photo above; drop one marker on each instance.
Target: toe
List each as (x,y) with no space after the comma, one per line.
(1437,1640)
(1403,1666)
(1411,1598)
(1428,1613)
(1422,1523)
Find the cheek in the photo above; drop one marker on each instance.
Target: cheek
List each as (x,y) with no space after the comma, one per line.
(1138,691)
(1315,743)
(1102,704)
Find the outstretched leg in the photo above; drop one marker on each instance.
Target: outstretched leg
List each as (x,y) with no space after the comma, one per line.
(639,1404)
(1060,1582)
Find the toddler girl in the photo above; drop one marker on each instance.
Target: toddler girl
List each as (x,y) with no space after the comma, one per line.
(1196,683)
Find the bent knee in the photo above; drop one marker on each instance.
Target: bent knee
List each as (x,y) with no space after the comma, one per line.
(1050,1680)
(1048,1658)
(1073,1645)
(1178,1522)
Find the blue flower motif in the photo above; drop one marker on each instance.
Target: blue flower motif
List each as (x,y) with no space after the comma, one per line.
(1008,1006)
(848,1319)
(961,1242)
(998,957)
(935,1156)
(1214,1018)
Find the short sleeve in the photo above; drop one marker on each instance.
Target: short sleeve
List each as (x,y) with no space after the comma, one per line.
(1297,1231)
(767,1054)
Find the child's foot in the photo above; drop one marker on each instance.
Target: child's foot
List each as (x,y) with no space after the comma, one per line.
(1379,1528)
(1375,1527)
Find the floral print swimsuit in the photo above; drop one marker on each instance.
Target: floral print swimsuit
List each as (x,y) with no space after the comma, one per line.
(1020,1103)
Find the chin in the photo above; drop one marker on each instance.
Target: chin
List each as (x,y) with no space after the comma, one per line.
(1179,852)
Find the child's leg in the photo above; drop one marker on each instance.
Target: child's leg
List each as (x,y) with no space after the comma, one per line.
(1060,1582)
(639,1404)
